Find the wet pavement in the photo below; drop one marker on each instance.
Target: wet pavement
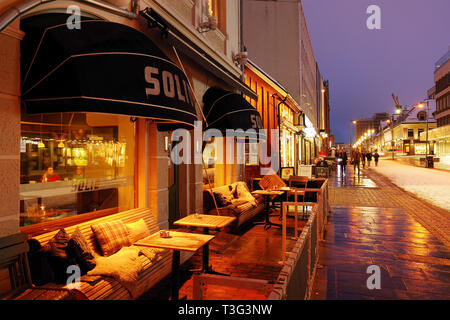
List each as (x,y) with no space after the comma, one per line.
(366,229)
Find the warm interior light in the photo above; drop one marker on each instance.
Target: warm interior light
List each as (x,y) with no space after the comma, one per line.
(354,121)
(398,111)
(420,105)
(41,144)
(61,144)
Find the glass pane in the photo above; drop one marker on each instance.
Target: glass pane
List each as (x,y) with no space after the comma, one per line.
(75,163)
(251,154)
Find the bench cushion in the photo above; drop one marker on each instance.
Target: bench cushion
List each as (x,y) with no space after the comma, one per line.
(137,230)
(78,248)
(124,266)
(56,255)
(111,236)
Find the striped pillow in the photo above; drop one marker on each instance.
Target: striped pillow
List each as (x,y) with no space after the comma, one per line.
(111,236)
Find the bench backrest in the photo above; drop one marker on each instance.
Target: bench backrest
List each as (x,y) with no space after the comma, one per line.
(85,227)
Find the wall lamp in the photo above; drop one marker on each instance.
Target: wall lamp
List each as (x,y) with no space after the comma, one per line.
(241,57)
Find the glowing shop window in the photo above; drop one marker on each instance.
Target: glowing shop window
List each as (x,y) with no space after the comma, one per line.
(75,163)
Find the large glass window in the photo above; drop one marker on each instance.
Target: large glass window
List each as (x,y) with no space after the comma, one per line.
(75,163)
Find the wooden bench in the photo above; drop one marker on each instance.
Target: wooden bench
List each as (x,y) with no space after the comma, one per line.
(107,288)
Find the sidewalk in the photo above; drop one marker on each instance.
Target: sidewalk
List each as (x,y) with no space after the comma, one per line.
(373,222)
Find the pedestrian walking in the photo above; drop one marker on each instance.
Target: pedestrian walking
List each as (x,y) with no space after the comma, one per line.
(369,158)
(356,160)
(376,156)
(363,159)
(344,161)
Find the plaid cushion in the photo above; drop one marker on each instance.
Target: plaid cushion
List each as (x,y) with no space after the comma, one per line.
(111,236)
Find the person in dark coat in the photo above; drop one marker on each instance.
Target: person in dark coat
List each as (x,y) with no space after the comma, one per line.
(376,156)
(344,160)
(356,161)
(369,158)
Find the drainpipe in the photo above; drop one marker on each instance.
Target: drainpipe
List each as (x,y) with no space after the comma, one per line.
(23,7)
(241,48)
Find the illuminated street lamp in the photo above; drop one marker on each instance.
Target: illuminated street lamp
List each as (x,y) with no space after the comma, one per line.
(429,165)
(351,129)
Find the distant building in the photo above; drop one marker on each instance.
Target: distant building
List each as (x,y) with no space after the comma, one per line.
(362,126)
(431,93)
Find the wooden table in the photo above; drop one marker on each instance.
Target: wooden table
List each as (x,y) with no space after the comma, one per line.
(267,194)
(206,222)
(178,241)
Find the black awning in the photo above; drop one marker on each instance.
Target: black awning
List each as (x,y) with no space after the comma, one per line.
(104,67)
(227,110)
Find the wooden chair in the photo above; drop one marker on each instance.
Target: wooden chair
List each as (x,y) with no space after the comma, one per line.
(298,185)
(13,256)
(272,181)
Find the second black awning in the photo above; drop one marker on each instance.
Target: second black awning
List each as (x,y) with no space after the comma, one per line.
(227,110)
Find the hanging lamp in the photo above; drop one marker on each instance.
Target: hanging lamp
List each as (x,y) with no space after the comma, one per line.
(61,143)
(41,143)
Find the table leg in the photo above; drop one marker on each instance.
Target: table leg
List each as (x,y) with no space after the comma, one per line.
(267,224)
(175,274)
(206,268)
(205,252)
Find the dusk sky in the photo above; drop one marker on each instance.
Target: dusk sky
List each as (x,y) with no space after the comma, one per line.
(364,67)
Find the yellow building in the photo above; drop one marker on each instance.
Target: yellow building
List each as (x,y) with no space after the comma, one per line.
(405,135)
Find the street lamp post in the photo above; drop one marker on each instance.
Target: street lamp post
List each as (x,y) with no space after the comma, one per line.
(351,129)
(398,110)
(429,165)
(392,137)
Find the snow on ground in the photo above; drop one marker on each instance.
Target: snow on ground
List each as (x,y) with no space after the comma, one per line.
(429,184)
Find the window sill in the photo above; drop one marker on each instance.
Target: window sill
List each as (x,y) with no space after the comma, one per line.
(44,227)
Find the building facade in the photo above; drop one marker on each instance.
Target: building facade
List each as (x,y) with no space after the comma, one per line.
(129,151)
(289,59)
(278,110)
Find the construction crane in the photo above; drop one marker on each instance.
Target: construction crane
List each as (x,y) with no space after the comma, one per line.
(399,109)
(397,105)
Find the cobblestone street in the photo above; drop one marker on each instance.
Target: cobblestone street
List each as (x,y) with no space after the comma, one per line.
(374,222)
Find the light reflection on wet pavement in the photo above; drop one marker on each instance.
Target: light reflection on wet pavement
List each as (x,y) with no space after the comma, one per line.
(349,179)
(414,264)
